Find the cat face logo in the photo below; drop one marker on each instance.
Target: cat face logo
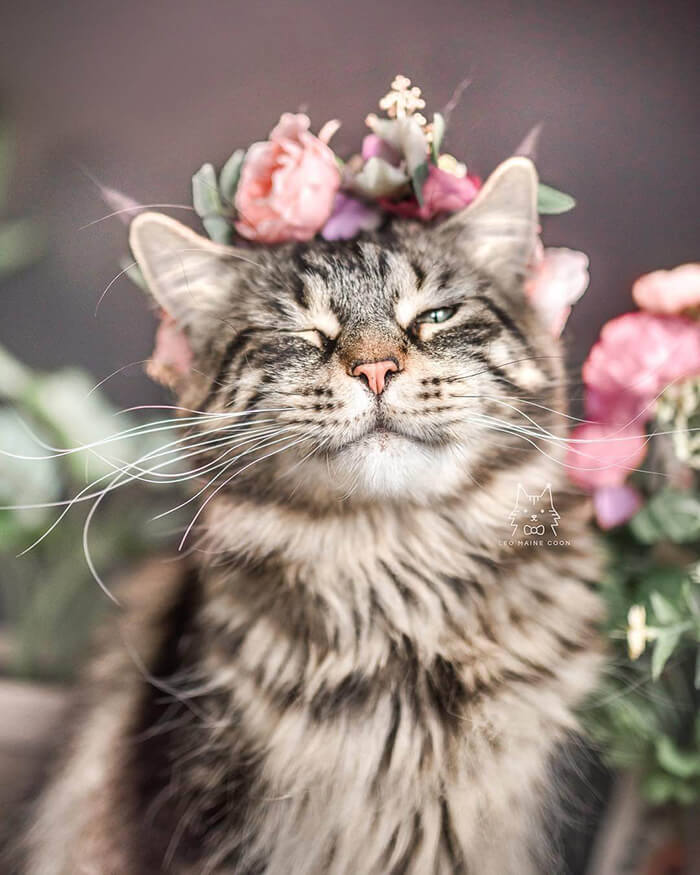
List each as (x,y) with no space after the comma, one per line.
(534,515)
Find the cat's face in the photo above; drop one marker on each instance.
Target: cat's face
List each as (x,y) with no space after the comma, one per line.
(368,365)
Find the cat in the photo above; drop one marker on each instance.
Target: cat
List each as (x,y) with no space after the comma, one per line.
(352,671)
(534,515)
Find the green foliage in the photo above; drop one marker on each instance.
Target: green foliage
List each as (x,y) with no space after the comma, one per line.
(670,515)
(20,241)
(645,715)
(552,202)
(49,600)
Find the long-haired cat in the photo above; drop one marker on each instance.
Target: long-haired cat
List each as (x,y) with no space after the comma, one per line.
(356,670)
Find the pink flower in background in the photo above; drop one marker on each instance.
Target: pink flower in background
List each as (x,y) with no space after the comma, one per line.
(637,356)
(669,291)
(615,505)
(558,280)
(443,192)
(288,183)
(172,356)
(350,216)
(601,455)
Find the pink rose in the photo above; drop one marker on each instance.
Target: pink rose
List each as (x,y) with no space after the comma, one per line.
(637,356)
(603,455)
(288,183)
(443,192)
(669,291)
(558,280)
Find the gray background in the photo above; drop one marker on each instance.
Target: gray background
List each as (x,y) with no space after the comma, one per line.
(141,93)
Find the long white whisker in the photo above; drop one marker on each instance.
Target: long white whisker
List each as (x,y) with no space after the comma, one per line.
(229,479)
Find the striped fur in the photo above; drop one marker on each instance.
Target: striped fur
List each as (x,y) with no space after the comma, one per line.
(357,671)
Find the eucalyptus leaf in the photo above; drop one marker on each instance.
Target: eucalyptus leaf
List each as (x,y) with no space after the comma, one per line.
(439,126)
(230,175)
(205,192)
(218,228)
(420,174)
(664,646)
(550,201)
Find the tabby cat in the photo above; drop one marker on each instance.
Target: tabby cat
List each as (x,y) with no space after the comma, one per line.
(355,669)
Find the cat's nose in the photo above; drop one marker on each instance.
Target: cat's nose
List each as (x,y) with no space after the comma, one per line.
(375,373)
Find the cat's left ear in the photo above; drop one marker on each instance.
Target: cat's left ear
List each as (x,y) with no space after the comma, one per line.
(498,231)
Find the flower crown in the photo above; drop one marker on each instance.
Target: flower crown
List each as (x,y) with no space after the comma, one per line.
(293,186)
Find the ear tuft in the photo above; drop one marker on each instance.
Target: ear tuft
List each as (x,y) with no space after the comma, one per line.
(498,231)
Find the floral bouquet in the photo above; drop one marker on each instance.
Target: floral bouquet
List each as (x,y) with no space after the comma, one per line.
(638,454)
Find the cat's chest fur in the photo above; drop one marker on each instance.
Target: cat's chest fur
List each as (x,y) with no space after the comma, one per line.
(370,708)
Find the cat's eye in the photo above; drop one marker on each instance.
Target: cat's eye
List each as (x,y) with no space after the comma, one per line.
(314,336)
(442,314)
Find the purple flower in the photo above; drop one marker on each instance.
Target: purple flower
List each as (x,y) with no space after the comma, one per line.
(350,216)
(374,147)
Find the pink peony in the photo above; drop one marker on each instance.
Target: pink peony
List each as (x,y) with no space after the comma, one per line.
(287,184)
(443,192)
(637,356)
(669,291)
(603,455)
(558,280)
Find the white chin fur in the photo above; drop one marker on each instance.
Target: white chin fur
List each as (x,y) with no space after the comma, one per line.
(390,466)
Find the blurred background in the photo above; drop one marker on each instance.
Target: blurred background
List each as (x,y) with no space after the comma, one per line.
(137,95)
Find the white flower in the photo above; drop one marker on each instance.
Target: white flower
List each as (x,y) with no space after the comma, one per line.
(638,633)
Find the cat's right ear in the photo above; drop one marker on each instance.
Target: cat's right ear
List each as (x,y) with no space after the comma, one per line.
(498,231)
(192,280)
(190,277)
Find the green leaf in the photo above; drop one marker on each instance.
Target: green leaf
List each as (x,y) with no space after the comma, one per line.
(19,245)
(205,191)
(230,175)
(678,762)
(697,684)
(438,135)
(552,202)
(663,648)
(208,205)
(420,174)
(664,611)
(671,515)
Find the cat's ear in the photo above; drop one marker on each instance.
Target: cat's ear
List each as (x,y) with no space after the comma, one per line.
(190,277)
(498,230)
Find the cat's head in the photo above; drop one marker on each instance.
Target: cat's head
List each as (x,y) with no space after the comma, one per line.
(367,366)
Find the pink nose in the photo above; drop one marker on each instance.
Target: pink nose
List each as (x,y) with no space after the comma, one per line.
(375,372)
